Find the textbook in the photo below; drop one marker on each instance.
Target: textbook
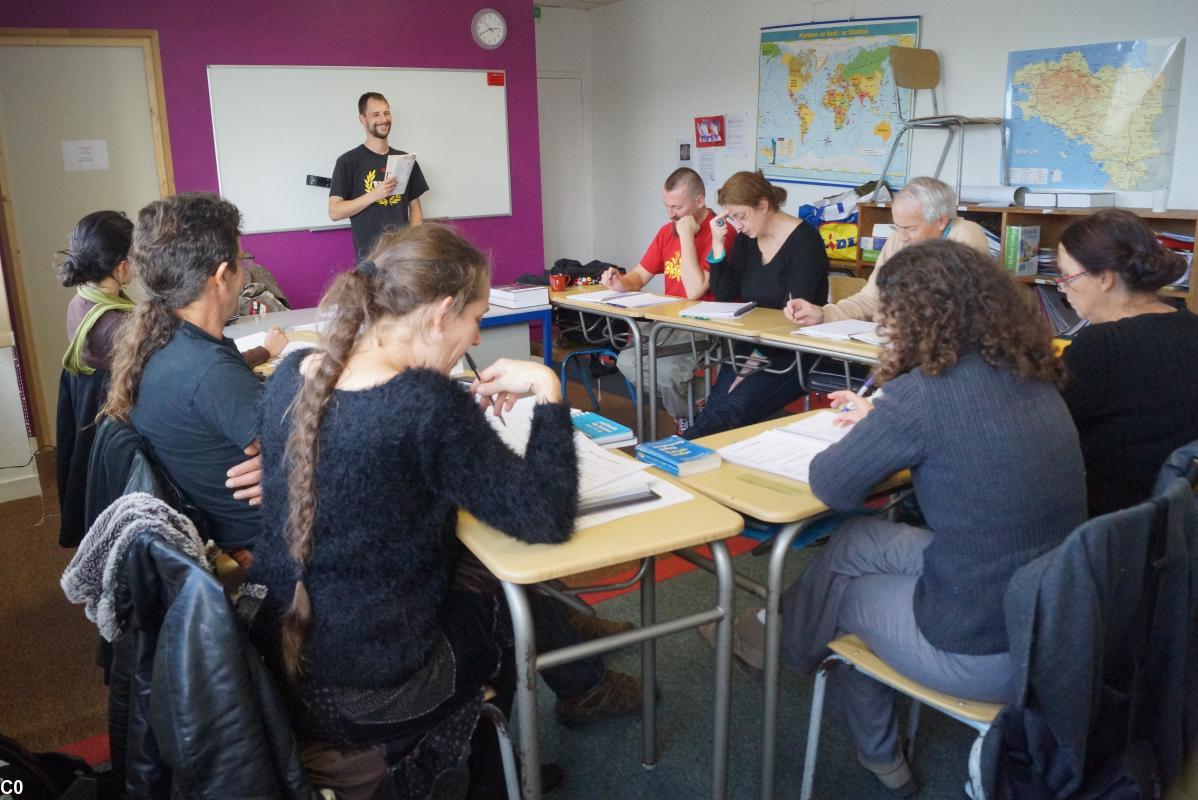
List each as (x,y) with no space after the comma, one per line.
(677,456)
(1021,249)
(519,295)
(1075,199)
(711,310)
(788,451)
(844,330)
(601,430)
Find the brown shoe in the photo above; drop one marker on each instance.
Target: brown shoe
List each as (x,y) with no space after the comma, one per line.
(592,627)
(617,695)
(748,641)
(895,776)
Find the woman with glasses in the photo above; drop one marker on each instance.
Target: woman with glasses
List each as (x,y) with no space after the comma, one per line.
(775,258)
(1133,372)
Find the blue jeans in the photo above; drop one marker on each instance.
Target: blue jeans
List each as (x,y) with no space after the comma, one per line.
(756,398)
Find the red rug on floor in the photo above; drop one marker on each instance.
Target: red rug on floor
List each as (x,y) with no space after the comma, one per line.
(94,750)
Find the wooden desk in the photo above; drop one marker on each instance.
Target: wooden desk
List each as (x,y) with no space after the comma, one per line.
(630,317)
(771,498)
(640,536)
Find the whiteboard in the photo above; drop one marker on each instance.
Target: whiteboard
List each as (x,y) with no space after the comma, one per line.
(274,126)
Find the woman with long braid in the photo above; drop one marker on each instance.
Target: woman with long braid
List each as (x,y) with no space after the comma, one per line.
(369,450)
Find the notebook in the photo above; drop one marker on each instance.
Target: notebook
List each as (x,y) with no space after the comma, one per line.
(788,451)
(844,330)
(713,310)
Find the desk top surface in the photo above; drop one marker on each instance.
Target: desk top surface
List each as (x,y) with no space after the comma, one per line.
(779,333)
(694,522)
(763,495)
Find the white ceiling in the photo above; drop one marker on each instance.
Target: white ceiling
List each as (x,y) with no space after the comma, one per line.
(582,5)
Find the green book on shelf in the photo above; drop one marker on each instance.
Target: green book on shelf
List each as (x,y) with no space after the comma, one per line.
(1021,249)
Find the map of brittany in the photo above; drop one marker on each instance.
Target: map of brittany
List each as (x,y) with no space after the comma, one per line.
(1098,116)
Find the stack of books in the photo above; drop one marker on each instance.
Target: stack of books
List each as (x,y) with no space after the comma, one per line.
(1070,199)
(1056,309)
(519,295)
(677,456)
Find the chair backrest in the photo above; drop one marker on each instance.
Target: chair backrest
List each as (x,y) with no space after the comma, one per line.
(915,68)
(842,286)
(1183,463)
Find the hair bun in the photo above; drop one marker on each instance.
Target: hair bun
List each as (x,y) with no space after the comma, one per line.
(1154,269)
(367,268)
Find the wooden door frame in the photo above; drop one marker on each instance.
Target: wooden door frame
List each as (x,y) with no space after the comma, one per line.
(10,256)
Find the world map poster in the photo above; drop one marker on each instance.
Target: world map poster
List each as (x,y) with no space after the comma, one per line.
(826,109)
(1094,116)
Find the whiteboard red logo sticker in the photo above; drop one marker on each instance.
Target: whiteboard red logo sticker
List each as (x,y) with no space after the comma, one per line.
(494,79)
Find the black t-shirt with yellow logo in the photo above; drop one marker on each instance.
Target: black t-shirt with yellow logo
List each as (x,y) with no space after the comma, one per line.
(355,174)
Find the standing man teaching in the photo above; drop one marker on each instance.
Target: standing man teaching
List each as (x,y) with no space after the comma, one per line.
(363,192)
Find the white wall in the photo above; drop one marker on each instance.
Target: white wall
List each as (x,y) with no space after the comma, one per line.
(656,64)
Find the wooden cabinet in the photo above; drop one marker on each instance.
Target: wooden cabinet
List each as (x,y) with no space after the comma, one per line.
(1052,222)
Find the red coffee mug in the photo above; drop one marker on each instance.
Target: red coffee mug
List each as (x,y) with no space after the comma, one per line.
(558,283)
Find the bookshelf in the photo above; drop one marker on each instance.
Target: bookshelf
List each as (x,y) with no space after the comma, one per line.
(1052,222)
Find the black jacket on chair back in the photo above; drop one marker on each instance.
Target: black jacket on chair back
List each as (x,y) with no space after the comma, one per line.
(193,712)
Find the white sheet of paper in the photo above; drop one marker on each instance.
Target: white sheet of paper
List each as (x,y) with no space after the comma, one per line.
(839,331)
(773,451)
(401,168)
(640,300)
(706,168)
(735,144)
(292,347)
(250,341)
(819,426)
(600,296)
(85,155)
(667,495)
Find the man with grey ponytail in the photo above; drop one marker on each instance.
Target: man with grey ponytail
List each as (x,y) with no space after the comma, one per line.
(924,209)
(176,377)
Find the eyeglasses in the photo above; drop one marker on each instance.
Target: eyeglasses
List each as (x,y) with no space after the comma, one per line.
(1062,281)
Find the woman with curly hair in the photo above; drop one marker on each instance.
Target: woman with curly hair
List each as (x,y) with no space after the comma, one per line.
(972,409)
(1133,373)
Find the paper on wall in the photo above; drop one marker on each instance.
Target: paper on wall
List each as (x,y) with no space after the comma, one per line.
(734,135)
(85,155)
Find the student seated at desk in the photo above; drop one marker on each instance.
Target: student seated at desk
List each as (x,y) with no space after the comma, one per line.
(678,251)
(1133,373)
(972,409)
(923,210)
(382,627)
(175,377)
(776,257)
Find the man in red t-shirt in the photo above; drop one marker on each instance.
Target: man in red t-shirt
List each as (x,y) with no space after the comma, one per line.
(679,251)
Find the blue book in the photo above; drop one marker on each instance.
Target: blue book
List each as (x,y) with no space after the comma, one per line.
(678,456)
(600,429)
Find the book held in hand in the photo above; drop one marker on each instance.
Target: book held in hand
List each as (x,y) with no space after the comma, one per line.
(677,456)
(400,167)
(601,430)
(519,295)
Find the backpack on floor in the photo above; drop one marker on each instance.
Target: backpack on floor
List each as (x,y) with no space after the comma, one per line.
(44,776)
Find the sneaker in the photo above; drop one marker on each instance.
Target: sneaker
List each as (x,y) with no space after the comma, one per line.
(617,695)
(681,425)
(748,641)
(895,776)
(591,627)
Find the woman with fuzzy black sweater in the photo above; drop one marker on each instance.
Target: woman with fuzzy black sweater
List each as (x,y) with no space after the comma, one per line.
(369,451)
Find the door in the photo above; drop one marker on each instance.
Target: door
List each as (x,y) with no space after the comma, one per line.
(68,102)
(565,168)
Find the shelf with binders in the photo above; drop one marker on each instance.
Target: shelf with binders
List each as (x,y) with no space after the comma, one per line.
(1052,222)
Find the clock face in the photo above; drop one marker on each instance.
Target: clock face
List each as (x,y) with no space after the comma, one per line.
(488,28)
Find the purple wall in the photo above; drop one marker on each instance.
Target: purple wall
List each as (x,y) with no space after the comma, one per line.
(367,33)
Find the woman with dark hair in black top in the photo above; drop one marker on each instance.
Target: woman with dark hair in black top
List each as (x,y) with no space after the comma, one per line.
(1133,373)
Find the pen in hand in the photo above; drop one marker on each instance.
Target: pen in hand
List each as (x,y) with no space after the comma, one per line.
(474,368)
(865,387)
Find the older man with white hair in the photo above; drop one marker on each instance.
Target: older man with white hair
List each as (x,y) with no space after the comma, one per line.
(925,208)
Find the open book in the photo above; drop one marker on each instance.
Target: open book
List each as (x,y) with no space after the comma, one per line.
(609,485)
(611,297)
(844,330)
(401,167)
(787,451)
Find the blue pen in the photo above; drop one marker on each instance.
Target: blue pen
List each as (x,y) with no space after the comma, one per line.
(865,387)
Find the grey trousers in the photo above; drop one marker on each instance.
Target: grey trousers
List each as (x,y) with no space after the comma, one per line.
(864,583)
(673,372)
